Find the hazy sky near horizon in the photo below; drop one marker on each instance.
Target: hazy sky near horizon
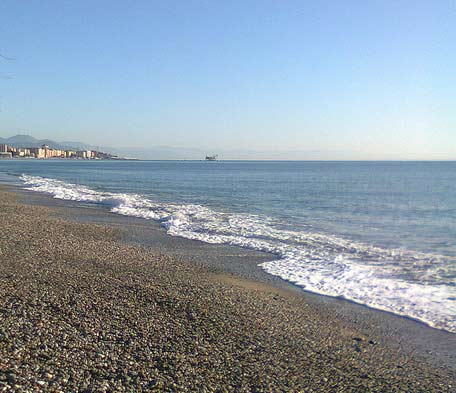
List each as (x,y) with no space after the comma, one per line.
(373,79)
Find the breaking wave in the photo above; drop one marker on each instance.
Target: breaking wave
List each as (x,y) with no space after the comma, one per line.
(417,285)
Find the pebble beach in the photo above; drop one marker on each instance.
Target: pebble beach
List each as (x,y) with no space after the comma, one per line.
(83,310)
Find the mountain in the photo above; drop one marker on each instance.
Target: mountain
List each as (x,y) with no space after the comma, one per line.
(152,153)
(30,141)
(190,153)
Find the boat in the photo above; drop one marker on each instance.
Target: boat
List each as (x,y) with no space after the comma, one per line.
(212,158)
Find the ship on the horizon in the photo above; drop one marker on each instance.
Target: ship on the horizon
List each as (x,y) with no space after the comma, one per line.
(212,158)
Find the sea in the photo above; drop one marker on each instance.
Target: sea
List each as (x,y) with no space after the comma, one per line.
(382,234)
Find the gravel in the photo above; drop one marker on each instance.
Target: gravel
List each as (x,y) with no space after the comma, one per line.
(81,310)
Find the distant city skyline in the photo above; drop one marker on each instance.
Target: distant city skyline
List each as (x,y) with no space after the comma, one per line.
(245,79)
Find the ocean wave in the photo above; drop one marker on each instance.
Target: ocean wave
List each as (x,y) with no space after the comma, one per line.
(417,285)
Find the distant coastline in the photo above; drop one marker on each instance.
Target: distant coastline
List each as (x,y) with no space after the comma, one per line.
(47,152)
(26,146)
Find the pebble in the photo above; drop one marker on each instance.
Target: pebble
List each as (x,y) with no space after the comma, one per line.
(82,311)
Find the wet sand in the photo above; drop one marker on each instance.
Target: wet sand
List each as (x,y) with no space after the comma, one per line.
(90,300)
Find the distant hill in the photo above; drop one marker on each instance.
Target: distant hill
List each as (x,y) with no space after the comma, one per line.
(30,141)
(154,152)
(189,153)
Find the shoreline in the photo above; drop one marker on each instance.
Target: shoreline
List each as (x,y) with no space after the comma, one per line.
(387,347)
(413,336)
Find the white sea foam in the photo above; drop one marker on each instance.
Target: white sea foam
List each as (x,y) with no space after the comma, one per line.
(417,285)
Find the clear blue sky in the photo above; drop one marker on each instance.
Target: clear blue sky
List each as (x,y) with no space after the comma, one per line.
(373,79)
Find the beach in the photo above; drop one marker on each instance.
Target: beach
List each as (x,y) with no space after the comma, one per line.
(90,301)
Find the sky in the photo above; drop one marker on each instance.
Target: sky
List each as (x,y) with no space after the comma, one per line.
(352,79)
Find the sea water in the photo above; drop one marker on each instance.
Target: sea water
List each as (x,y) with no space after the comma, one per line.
(378,233)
